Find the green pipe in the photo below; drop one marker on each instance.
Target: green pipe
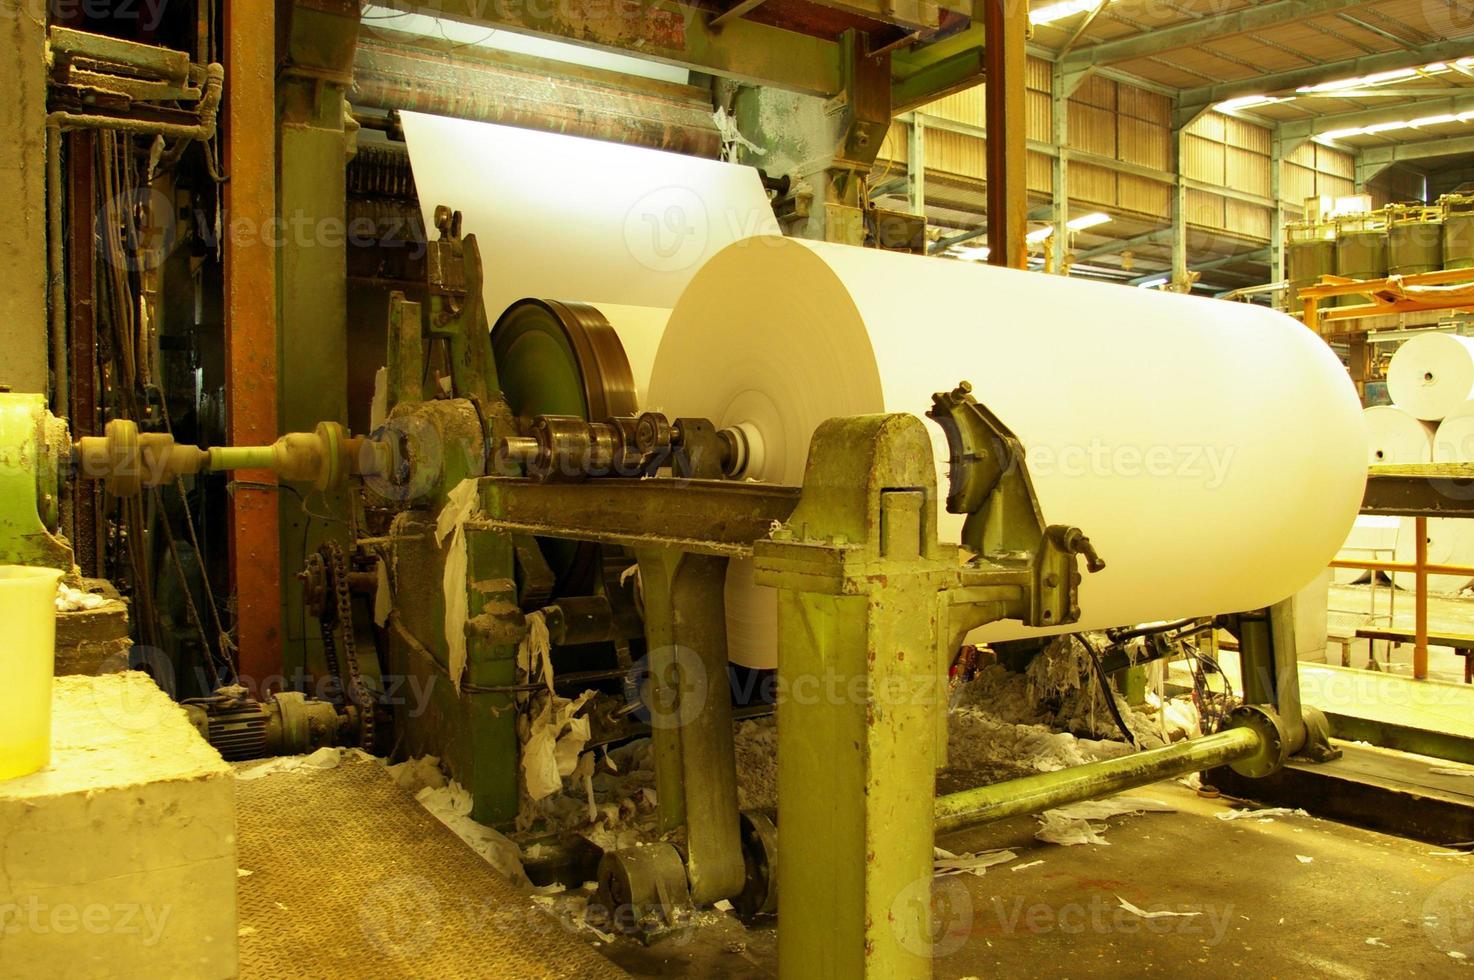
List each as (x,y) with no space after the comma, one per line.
(242,458)
(1034,794)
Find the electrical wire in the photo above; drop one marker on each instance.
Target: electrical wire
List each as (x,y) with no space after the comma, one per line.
(1105,687)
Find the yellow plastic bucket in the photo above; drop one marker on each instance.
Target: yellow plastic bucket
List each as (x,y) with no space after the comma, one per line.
(27,659)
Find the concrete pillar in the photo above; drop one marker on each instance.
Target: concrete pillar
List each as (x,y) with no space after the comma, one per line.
(23,175)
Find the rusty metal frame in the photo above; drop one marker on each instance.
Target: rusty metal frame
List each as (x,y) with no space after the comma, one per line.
(250,332)
(1005,58)
(1418,491)
(1334,286)
(85,519)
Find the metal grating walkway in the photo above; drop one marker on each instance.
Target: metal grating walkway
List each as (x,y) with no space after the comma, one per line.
(350,877)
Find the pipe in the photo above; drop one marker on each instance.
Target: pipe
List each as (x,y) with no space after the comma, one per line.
(1403,566)
(1034,794)
(61,390)
(242,458)
(1420,598)
(56,123)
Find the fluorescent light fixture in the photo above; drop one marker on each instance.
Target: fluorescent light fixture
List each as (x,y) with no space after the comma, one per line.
(1051,12)
(1385,127)
(1379,78)
(1153,283)
(1336,134)
(978,253)
(1039,234)
(1447,117)
(1088,221)
(1464,62)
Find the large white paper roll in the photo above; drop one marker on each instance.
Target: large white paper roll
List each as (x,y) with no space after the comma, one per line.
(1431,375)
(1454,440)
(1394,436)
(1213,451)
(562,217)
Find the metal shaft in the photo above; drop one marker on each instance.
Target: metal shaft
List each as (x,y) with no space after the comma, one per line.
(1034,794)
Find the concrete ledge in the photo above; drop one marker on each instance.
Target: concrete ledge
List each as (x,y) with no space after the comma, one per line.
(119,860)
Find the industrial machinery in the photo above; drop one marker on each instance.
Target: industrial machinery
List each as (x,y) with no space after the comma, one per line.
(496,508)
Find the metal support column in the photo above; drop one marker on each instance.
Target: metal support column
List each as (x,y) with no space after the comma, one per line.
(1060,172)
(312,271)
(83,522)
(250,330)
(916,165)
(1006,29)
(1277,225)
(23,324)
(1183,117)
(1420,598)
(1179,215)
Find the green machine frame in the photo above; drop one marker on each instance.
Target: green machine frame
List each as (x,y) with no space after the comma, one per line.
(871,609)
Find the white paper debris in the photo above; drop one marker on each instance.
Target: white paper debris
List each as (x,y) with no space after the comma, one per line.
(416,774)
(242,873)
(722,905)
(1083,823)
(69,599)
(946,863)
(1263,815)
(1455,954)
(1159,914)
(461,505)
(451,805)
(327,757)
(1031,864)
(1303,859)
(1376,941)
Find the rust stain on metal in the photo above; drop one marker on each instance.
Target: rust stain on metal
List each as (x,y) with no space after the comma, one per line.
(250,333)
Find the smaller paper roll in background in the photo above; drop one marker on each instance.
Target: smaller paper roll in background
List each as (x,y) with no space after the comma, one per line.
(1454,440)
(1432,375)
(1450,541)
(1394,436)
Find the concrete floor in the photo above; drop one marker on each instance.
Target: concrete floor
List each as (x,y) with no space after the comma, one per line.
(1365,905)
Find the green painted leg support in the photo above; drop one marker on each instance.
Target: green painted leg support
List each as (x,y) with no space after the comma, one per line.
(860,611)
(691,715)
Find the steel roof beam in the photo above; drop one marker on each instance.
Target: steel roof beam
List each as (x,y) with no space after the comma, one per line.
(1257,17)
(1314,126)
(1320,74)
